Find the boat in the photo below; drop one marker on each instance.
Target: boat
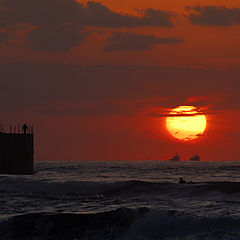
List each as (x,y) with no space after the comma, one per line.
(195,157)
(175,158)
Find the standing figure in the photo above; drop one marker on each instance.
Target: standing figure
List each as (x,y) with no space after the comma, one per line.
(25,127)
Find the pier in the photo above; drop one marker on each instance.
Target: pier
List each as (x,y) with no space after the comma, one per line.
(17,149)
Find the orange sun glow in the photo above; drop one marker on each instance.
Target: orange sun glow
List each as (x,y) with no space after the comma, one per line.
(186,123)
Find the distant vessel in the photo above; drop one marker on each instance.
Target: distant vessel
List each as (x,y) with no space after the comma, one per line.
(175,158)
(195,157)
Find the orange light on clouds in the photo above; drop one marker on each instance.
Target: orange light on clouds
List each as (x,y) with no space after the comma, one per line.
(186,123)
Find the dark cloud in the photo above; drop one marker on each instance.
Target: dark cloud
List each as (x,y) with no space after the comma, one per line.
(41,12)
(155,18)
(59,24)
(69,11)
(214,16)
(230,102)
(135,42)
(167,114)
(3,18)
(98,88)
(3,37)
(90,109)
(96,14)
(55,38)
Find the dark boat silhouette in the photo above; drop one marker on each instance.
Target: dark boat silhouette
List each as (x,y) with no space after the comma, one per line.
(195,157)
(175,158)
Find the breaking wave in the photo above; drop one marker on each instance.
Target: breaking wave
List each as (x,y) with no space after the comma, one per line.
(120,224)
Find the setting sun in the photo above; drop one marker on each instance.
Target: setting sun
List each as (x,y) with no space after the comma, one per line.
(186,123)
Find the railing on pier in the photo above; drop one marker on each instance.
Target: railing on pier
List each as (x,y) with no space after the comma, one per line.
(17,129)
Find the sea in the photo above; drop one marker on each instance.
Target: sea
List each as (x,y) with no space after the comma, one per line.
(140,200)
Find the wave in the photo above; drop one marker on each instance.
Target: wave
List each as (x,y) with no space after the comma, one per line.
(178,225)
(119,224)
(103,225)
(133,187)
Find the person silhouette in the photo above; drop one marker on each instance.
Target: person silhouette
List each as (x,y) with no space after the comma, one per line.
(181,181)
(25,127)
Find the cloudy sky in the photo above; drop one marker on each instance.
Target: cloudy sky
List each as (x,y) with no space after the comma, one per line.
(97,78)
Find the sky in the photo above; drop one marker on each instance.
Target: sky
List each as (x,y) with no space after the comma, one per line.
(98,78)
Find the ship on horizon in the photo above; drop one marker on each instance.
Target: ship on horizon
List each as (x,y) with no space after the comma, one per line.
(175,158)
(195,157)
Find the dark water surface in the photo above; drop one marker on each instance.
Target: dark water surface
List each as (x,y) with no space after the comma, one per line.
(122,200)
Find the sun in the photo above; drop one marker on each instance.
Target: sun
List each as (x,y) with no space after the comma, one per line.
(186,123)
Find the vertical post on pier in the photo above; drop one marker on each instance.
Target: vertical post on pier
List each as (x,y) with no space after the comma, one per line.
(10,128)
(18,128)
(14,128)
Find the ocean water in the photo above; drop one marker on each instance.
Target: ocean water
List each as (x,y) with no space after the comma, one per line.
(122,200)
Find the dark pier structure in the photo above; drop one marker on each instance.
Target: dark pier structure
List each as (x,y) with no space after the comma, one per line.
(17,150)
